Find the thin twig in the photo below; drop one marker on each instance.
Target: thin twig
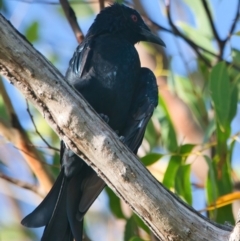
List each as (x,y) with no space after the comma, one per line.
(234,23)
(40,135)
(53,3)
(21,141)
(44,147)
(71,17)
(33,157)
(22,184)
(189,41)
(198,185)
(101,4)
(215,33)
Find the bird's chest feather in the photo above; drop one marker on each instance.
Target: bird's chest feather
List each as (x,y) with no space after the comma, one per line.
(117,64)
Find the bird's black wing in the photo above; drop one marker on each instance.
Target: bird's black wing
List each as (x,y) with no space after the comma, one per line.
(80,63)
(144,102)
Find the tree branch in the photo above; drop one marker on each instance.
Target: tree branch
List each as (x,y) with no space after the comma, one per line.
(22,184)
(74,120)
(101,4)
(71,17)
(235,235)
(36,130)
(214,30)
(233,24)
(14,132)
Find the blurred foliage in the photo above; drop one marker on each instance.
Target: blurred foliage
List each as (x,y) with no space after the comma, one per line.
(32,32)
(13,232)
(81,10)
(211,93)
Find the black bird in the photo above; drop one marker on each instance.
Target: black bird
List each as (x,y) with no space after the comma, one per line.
(106,70)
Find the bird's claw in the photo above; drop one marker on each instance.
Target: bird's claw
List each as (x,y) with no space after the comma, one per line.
(122,139)
(104,117)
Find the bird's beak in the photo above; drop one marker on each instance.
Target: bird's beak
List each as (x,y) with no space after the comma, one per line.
(150,37)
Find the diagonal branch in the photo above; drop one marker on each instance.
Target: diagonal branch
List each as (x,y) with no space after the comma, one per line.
(74,120)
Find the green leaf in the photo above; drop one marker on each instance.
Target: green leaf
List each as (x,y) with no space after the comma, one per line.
(141,224)
(56,166)
(15,232)
(201,19)
(224,180)
(183,184)
(209,130)
(150,135)
(233,72)
(3,112)
(233,101)
(197,37)
(81,10)
(136,239)
(186,149)
(168,131)
(151,158)
(220,93)
(224,184)
(211,183)
(218,184)
(237,33)
(170,174)
(32,32)
(114,203)
(204,69)
(3,7)
(192,95)
(131,229)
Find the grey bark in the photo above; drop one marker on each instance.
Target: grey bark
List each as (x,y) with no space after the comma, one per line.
(88,136)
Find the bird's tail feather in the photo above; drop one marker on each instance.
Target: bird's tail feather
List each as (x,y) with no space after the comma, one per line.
(58,227)
(63,208)
(42,214)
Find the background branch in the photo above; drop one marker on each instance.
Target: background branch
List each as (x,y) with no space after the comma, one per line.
(71,17)
(22,184)
(15,133)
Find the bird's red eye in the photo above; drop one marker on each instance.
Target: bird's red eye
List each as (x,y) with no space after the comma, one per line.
(134,18)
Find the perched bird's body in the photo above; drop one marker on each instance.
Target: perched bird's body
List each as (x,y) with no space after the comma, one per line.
(106,70)
(110,82)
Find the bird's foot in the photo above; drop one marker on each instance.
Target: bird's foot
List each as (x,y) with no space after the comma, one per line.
(104,117)
(122,139)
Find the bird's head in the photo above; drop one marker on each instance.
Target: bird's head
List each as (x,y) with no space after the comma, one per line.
(123,21)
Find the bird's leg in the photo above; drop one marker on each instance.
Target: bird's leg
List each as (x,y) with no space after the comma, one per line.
(104,117)
(122,139)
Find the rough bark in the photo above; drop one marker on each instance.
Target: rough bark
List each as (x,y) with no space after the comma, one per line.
(88,136)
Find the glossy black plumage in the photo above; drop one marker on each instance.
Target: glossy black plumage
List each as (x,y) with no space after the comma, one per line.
(106,70)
